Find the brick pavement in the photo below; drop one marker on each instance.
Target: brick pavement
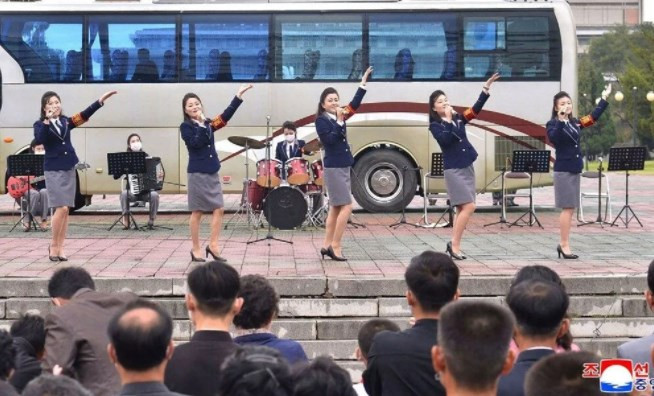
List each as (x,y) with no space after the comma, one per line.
(375,251)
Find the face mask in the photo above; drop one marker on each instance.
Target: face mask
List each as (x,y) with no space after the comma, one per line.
(136,146)
(290,138)
(40,152)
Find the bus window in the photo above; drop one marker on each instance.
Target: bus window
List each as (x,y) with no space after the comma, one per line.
(131,48)
(48,48)
(317,47)
(528,46)
(408,47)
(225,47)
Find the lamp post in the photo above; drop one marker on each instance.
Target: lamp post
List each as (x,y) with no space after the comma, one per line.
(619,97)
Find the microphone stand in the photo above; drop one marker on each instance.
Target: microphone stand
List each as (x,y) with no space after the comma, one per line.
(270,236)
(402,219)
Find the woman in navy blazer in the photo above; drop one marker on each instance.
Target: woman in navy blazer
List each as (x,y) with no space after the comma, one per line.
(449,130)
(52,130)
(564,132)
(338,160)
(204,188)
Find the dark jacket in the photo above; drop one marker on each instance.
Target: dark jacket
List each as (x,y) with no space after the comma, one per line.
(202,155)
(76,339)
(27,365)
(513,383)
(457,151)
(290,349)
(566,137)
(282,154)
(334,136)
(59,151)
(399,363)
(146,389)
(194,368)
(7,390)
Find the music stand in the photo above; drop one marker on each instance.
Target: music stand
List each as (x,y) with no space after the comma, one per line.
(626,159)
(25,165)
(599,219)
(125,163)
(530,161)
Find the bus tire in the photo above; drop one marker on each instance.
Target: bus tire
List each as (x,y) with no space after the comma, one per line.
(377,183)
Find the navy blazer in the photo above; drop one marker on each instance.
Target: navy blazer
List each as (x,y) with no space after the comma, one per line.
(566,138)
(281,153)
(457,151)
(513,383)
(59,151)
(290,349)
(334,136)
(202,155)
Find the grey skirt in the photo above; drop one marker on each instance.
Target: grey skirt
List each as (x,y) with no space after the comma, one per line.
(205,193)
(61,188)
(566,190)
(338,185)
(460,184)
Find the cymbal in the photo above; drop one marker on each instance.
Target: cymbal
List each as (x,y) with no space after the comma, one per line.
(313,145)
(246,141)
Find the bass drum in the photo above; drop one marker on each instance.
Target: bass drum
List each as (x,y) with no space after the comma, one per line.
(285,207)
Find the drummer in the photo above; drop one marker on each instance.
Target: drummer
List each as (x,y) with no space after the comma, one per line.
(290,147)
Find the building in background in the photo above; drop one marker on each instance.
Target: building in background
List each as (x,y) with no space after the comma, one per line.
(595,17)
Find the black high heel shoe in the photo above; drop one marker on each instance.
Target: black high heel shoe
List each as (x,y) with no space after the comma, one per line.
(197,259)
(333,256)
(450,251)
(324,252)
(215,257)
(62,258)
(52,258)
(570,256)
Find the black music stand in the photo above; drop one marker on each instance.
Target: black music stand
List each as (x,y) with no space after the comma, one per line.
(402,219)
(25,165)
(502,219)
(599,219)
(626,159)
(125,163)
(530,161)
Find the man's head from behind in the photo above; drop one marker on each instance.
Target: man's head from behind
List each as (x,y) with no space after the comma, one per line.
(50,385)
(323,377)
(561,375)
(433,281)
(367,333)
(255,370)
(67,281)
(7,355)
(31,328)
(473,345)
(213,291)
(140,337)
(260,303)
(539,308)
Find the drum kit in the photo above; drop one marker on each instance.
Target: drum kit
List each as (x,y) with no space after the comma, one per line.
(287,195)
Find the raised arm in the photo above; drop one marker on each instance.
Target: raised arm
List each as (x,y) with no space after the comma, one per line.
(591,119)
(83,116)
(471,113)
(351,108)
(222,120)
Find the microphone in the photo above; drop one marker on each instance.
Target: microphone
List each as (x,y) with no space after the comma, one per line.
(268,118)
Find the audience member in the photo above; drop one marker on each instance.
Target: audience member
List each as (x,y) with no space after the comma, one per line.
(76,330)
(260,307)
(539,308)
(7,357)
(323,377)
(473,347)
(561,375)
(55,385)
(400,363)
(212,301)
(28,334)
(255,371)
(140,347)
(146,70)
(364,339)
(639,350)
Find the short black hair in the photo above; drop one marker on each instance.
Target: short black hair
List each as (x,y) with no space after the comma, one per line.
(254,371)
(433,278)
(51,385)
(289,125)
(560,374)
(537,272)
(140,344)
(215,286)
(65,282)
(369,330)
(323,377)
(650,276)
(260,303)
(7,355)
(538,307)
(475,338)
(32,329)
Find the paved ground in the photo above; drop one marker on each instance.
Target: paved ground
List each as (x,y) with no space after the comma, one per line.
(373,251)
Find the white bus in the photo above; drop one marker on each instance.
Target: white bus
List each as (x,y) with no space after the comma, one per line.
(155,53)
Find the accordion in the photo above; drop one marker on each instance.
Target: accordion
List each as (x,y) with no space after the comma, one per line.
(151,180)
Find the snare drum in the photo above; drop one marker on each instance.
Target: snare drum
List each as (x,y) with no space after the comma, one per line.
(255,195)
(272,168)
(318,172)
(311,189)
(297,171)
